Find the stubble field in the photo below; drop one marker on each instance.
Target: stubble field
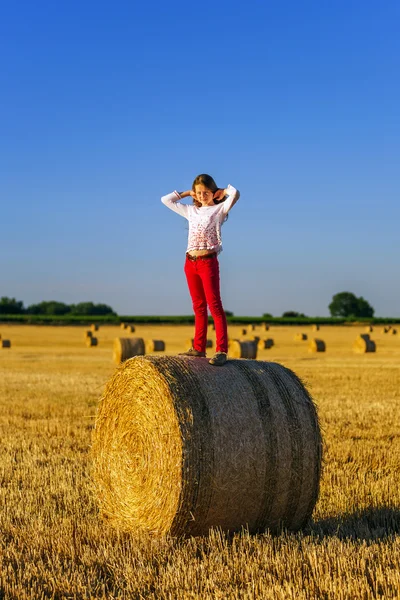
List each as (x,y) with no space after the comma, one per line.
(54,545)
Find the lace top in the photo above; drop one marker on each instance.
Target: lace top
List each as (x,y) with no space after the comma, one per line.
(204,222)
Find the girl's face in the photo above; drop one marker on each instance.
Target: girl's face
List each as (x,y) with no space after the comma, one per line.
(204,195)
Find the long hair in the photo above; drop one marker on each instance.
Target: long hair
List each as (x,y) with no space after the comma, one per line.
(209,182)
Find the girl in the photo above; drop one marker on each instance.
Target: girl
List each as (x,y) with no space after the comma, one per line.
(207,213)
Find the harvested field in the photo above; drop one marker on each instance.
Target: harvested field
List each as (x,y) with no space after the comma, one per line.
(53,544)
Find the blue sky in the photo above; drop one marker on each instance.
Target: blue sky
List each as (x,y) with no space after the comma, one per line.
(104,107)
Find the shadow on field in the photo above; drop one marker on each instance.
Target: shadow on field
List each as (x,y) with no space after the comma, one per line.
(369,524)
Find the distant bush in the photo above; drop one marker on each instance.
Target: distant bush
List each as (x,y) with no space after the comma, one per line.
(292,313)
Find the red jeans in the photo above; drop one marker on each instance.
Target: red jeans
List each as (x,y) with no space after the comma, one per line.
(203,280)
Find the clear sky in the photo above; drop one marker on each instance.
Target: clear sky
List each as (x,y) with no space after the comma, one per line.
(106,106)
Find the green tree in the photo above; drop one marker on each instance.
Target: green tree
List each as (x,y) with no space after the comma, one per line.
(293,313)
(89,308)
(11,306)
(346,304)
(51,307)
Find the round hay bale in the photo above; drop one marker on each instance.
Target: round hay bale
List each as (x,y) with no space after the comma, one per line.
(251,327)
(125,348)
(300,337)
(130,328)
(180,447)
(190,342)
(122,325)
(386,329)
(256,338)
(369,328)
(155,346)
(5,343)
(242,349)
(94,327)
(265,326)
(91,341)
(363,344)
(317,346)
(315,328)
(87,334)
(393,331)
(265,344)
(244,331)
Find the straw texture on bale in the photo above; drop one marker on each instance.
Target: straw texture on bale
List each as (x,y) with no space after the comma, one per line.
(91,341)
(190,342)
(242,348)
(94,327)
(300,336)
(155,346)
(125,348)
(363,344)
(315,328)
(88,334)
(265,344)
(5,343)
(180,447)
(317,346)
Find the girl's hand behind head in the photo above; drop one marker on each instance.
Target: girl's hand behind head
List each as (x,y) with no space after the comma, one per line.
(219,195)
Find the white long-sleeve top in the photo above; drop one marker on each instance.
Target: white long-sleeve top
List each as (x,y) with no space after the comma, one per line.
(204,222)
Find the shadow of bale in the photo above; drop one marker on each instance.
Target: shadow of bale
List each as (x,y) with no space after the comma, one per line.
(374,523)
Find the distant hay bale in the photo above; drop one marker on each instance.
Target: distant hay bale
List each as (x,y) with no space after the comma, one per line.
(122,325)
(91,341)
(94,327)
(265,344)
(256,338)
(155,346)
(264,326)
(190,342)
(251,327)
(300,337)
(244,331)
(393,331)
(315,328)
(363,344)
(130,328)
(125,348)
(317,346)
(5,343)
(180,447)
(242,349)
(87,334)
(369,328)
(386,329)
(0,336)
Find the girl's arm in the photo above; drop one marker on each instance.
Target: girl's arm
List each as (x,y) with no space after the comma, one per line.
(172,201)
(231,196)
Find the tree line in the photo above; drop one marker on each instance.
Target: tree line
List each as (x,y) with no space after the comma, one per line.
(344,304)
(11,306)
